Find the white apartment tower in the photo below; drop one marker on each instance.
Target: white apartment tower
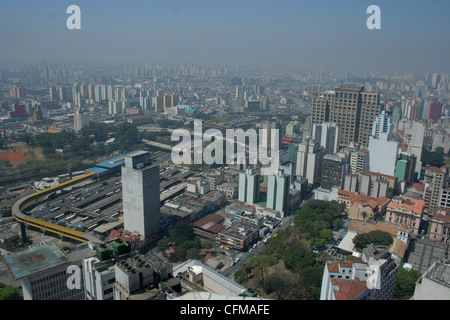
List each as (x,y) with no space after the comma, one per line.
(309,160)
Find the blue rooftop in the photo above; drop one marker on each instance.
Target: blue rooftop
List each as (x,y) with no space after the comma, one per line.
(33,260)
(114,162)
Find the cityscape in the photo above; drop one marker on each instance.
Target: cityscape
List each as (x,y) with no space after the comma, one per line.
(116,184)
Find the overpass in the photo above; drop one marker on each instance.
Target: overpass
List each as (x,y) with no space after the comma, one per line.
(20,206)
(157,145)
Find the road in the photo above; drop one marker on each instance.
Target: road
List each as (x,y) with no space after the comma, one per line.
(258,249)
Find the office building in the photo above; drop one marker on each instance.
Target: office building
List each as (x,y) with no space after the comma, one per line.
(327,135)
(45,274)
(383,154)
(249,184)
(351,109)
(278,192)
(435,180)
(382,123)
(99,278)
(373,184)
(141,199)
(359,160)
(334,169)
(434,111)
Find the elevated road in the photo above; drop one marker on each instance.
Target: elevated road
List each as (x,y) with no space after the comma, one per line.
(20,207)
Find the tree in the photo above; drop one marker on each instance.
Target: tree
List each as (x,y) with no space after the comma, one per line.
(405,283)
(376,237)
(310,279)
(9,292)
(435,158)
(280,283)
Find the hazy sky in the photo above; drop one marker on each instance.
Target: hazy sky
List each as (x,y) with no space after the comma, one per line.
(325,34)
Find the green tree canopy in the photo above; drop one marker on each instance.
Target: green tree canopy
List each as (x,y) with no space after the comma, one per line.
(376,237)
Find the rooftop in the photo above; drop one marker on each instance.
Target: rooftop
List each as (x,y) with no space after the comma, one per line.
(34,260)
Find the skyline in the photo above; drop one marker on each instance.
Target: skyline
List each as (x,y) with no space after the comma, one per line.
(327,35)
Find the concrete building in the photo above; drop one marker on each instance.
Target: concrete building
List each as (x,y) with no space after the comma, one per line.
(382,123)
(334,169)
(278,192)
(309,160)
(435,180)
(141,198)
(359,160)
(370,183)
(45,274)
(238,236)
(350,108)
(383,154)
(99,278)
(402,210)
(80,120)
(373,278)
(199,279)
(439,226)
(138,277)
(249,183)
(434,284)
(328,136)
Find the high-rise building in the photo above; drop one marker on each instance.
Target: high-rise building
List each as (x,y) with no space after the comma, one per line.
(350,108)
(327,135)
(80,120)
(383,154)
(278,192)
(309,160)
(141,199)
(359,159)
(382,123)
(434,111)
(17,92)
(435,180)
(53,93)
(249,184)
(334,169)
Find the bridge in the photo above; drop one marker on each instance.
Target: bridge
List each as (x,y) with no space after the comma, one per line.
(157,145)
(20,206)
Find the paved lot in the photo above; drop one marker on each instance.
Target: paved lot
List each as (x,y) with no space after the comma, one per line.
(423,253)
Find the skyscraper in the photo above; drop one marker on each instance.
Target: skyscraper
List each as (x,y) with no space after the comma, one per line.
(349,107)
(141,199)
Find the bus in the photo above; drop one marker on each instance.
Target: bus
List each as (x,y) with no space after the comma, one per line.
(58,217)
(97,211)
